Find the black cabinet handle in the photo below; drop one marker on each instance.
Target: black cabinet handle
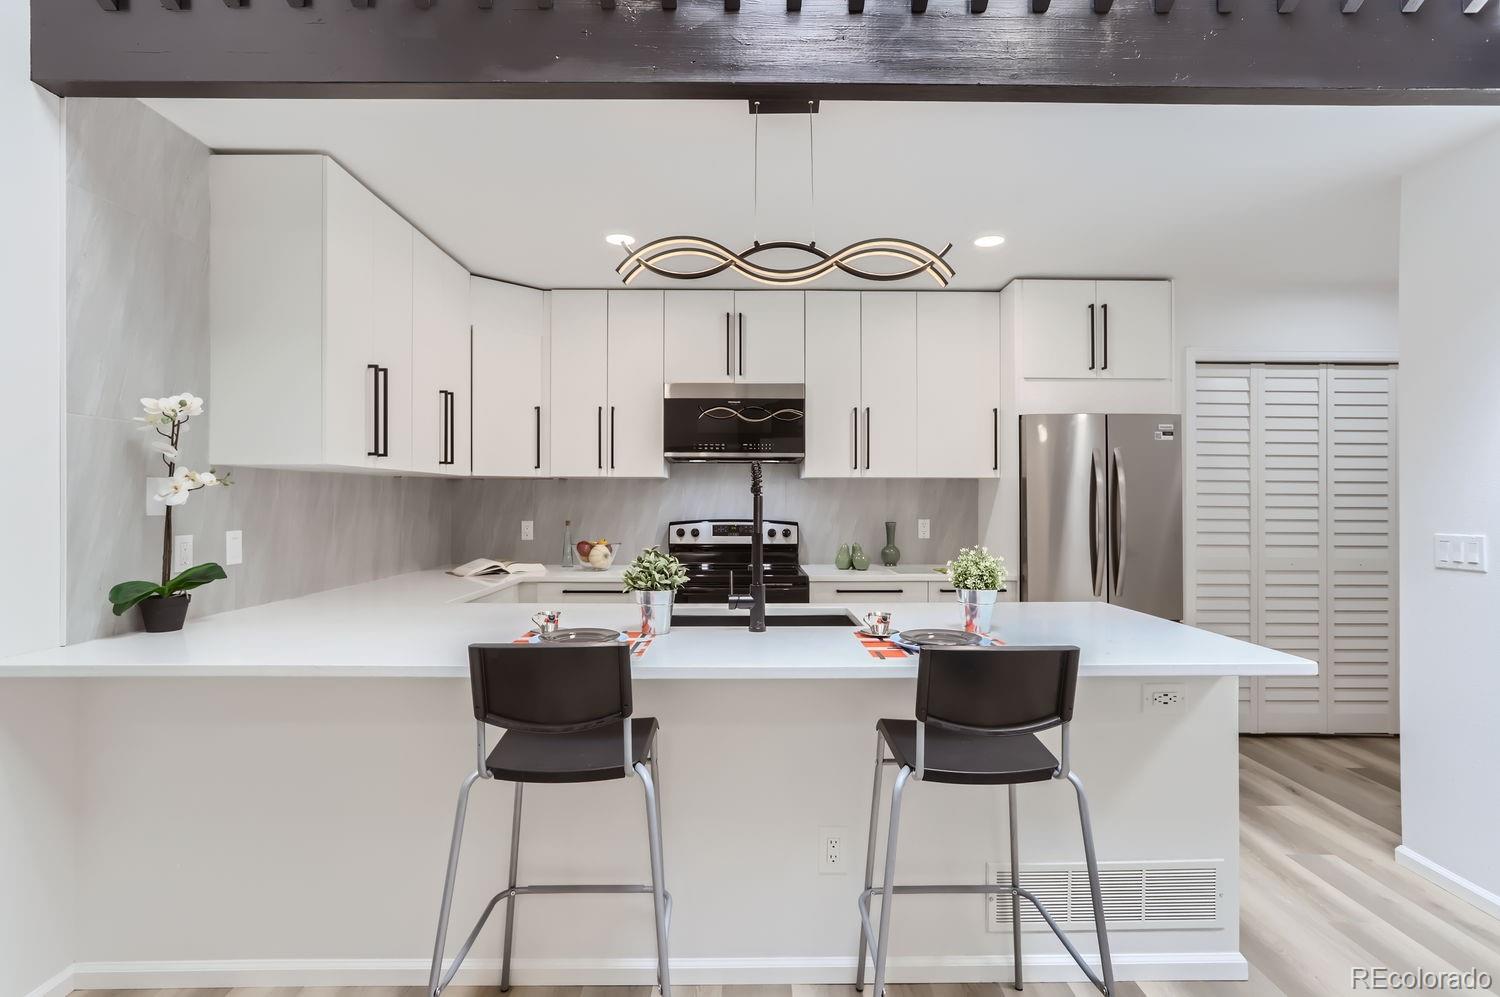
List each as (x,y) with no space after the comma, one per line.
(445,414)
(869,591)
(1105,309)
(599,436)
(728,345)
(611,437)
(867,437)
(995,418)
(1091,338)
(538,464)
(380,411)
(741,316)
(385,411)
(593,591)
(854,418)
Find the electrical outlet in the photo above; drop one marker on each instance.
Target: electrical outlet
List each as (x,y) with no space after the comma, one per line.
(182,553)
(831,851)
(234,547)
(1162,698)
(528,530)
(924,529)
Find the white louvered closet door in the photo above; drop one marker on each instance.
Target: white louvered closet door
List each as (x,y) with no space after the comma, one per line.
(1293,533)
(1223,594)
(1291,445)
(1361,656)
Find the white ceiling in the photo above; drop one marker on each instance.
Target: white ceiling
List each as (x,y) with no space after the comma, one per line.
(527,190)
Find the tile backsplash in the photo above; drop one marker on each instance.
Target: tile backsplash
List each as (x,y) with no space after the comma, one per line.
(487,514)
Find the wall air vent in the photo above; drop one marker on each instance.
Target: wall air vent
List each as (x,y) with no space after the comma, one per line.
(1137,895)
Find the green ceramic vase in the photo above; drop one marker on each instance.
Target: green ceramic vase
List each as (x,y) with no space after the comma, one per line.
(859,557)
(890,554)
(842,560)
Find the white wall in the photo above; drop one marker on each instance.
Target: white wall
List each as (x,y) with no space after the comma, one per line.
(1450,482)
(38,788)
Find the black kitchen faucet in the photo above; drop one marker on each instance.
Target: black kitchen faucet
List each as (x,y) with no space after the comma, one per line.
(756,600)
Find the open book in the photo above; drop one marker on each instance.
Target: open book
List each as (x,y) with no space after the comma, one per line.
(489,566)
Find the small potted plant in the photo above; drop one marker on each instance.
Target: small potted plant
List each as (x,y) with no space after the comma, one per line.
(655,577)
(164,605)
(978,576)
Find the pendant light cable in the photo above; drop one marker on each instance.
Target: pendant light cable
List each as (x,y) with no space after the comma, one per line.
(812,179)
(755,198)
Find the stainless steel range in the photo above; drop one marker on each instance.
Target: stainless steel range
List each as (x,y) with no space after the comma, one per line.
(716,553)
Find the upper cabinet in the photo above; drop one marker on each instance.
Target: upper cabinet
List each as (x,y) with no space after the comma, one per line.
(902,385)
(1071,329)
(636,383)
(958,384)
(440,361)
(310,297)
(510,360)
(734,336)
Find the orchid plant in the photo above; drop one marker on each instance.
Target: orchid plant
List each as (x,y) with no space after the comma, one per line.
(168,417)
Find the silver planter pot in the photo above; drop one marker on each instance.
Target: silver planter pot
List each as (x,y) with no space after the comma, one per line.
(656,612)
(979,608)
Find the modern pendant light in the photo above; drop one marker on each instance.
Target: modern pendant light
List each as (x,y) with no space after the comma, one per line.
(915,258)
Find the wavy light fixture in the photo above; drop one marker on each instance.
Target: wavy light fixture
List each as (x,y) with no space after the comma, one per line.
(651,257)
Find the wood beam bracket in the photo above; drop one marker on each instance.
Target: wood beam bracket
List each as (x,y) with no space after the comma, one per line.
(1102,7)
(1162,6)
(177,4)
(1411,6)
(113,5)
(856,6)
(731,6)
(1286,6)
(919,6)
(236,3)
(1040,6)
(1352,6)
(1474,6)
(794,6)
(299,3)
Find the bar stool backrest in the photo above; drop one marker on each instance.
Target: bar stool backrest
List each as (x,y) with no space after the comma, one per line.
(550,690)
(997,690)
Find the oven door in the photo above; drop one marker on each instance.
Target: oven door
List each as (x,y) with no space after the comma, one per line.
(733,429)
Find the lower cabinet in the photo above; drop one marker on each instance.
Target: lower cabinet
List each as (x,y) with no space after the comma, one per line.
(872,591)
(564,592)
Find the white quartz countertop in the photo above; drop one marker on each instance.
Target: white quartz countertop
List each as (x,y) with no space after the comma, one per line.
(419,625)
(876,573)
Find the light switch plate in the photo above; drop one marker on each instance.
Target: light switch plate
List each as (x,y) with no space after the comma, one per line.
(528,530)
(1460,552)
(234,547)
(924,529)
(182,553)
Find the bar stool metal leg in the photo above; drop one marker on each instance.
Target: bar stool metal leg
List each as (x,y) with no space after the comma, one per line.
(1015,889)
(864,940)
(888,885)
(434,980)
(658,886)
(1093,866)
(510,904)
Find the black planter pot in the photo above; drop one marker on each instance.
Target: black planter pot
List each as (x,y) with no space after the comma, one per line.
(165,615)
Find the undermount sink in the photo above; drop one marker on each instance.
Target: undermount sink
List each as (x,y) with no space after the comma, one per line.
(740,620)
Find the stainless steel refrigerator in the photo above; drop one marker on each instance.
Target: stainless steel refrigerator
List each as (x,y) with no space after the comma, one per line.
(1101,511)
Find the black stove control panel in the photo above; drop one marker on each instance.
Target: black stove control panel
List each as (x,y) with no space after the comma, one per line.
(730,531)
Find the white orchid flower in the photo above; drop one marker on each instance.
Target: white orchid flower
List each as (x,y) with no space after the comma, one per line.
(191,404)
(201,479)
(153,407)
(177,490)
(165,448)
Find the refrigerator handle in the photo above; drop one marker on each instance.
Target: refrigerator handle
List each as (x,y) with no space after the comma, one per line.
(1117,542)
(1096,496)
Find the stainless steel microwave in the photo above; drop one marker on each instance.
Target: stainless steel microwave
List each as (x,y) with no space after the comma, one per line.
(704,423)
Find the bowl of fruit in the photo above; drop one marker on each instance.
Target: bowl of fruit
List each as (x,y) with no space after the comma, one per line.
(596,554)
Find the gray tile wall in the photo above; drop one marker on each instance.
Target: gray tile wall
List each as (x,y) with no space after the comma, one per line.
(487,516)
(137,324)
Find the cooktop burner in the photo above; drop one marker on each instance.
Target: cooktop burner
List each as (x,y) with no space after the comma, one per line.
(716,553)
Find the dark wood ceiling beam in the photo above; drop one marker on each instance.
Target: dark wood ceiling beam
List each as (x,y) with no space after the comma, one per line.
(477,48)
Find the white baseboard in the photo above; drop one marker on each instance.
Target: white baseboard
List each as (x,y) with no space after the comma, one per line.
(1051,968)
(1449,880)
(60,985)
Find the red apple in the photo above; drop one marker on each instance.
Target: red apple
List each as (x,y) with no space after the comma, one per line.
(584,546)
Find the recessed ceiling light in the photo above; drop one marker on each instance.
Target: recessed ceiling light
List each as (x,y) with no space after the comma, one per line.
(989,241)
(619,239)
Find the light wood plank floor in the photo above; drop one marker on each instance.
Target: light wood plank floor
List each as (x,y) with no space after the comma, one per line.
(1321,893)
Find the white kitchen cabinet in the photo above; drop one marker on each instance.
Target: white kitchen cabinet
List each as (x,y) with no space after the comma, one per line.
(714,337)
(888,395)
(958,385)
(769,336)
(579,383)
(1086,329)
(699,337)
(440,361)
(1135,328)
(511,408)
(832,408)
(635,383)
(310,298)
(860,591)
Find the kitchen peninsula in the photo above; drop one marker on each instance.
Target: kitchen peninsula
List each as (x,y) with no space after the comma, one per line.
(280,753)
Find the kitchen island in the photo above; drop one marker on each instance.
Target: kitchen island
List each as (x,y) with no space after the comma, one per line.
(267,797)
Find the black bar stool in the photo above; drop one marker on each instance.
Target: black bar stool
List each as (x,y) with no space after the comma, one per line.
(566,712)
(977,716)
